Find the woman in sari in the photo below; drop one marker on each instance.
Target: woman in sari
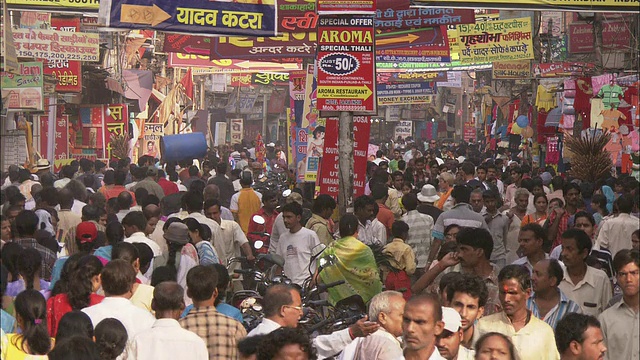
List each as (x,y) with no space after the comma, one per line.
(350,260)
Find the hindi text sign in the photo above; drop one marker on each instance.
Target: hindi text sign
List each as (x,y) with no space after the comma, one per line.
(213,17)
(56,45)
(500,40)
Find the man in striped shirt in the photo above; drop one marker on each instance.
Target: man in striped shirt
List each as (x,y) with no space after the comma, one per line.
(548,302)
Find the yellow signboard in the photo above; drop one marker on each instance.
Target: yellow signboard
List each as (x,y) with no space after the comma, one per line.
(500,40)
(72,4)
(556,5)
(519,69)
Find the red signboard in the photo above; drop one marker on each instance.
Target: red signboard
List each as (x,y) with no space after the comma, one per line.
(61,149)
(420,45)
(67,72)
(287,44)
(186,44)
(615,36)
(361,130)
(329,178)
(560,69)
(346,6)
(469,132)
(346,64)
(397,14)
(227,65)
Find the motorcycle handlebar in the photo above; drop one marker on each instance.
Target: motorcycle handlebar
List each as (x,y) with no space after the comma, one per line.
(324,287)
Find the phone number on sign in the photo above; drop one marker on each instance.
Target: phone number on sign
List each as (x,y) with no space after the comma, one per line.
(56,56)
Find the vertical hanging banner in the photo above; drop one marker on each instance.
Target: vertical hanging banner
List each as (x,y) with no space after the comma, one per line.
(236,131)
(361,130)
(151,143)
(213,17)
(500,40)
(67,72)
(329,178)
(116,123)
(61,144)
(346,64)
(346,7)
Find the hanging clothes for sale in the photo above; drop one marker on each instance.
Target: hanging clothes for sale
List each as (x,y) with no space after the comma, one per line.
(610,95)
(596,113)
(584,93)
(611,117)
(614,147)
(545,99)
(553,150)
(597,82)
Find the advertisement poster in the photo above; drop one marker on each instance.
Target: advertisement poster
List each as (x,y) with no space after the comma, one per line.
(315,147)
(61,144)
(499,40)
(213,17)
(469,131)
(397,14)
(310,108)
(520,69)
(615,36)
(204,65)
(56,45)
(35,20)
(151,139)
(300,152)
(361,130)
(346,6)
(405,93)
(346,64)
(403,129)
(329,173)
(297,81)
(68,72)
(569,5)
(24,90)
(419,45)
(236,131)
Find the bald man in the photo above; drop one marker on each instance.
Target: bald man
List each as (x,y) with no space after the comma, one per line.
(212,191)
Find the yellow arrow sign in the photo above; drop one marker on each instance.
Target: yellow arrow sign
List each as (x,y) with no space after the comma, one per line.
(344,92)
(142,14)
(410,38)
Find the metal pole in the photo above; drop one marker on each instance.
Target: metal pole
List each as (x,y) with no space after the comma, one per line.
(345,161)
(265,98)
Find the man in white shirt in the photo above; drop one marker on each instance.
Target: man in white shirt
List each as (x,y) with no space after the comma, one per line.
(531,240)
(231,239)
(386,309)
(167,339)
(278,225)
(118,278)
(134,224)
(125,200)
(421,325)
(615,233)
(449,342)
(370,230)
(587,286)
(295,246)
(194,202)
(283,308)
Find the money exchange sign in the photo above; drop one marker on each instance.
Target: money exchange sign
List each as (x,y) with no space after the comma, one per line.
(346,64)
(214,17)
(500,40)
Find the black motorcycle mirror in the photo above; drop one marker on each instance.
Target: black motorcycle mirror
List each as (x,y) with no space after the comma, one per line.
(258,219)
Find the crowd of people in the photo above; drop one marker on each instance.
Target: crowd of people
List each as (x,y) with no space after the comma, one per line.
(455,253)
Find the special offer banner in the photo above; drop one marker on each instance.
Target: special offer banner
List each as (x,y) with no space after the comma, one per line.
(346,64)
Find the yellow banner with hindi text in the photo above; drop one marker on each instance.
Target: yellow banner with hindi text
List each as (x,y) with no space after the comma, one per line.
(500,40)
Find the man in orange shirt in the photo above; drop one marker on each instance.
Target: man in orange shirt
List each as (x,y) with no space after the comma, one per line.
(245,202)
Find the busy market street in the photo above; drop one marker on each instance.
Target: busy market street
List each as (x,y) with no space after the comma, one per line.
(320,179)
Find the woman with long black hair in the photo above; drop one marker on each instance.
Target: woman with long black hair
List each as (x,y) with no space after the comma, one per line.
(33,341)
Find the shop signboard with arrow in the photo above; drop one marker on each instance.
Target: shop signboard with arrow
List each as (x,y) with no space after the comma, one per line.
(211,17)
(419,45)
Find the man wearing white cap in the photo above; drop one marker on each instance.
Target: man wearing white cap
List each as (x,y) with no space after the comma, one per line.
(448,342)
(427,197)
